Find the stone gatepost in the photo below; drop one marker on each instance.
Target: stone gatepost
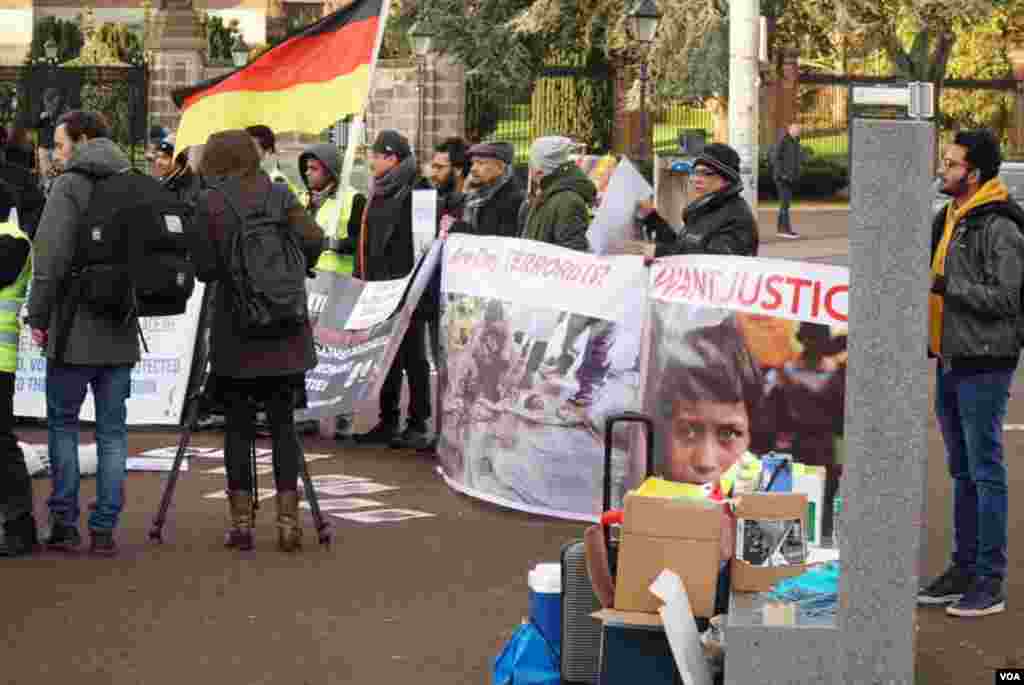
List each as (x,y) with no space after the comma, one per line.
(177,58)
(395,101)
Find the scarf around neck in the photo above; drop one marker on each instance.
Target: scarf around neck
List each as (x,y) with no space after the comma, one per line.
(481,196)
(396,179)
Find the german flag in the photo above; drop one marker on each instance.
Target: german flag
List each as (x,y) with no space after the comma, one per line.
(305,84)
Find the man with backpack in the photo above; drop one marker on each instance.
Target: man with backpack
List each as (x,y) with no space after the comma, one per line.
(974,332)
(97,351)
(384,252)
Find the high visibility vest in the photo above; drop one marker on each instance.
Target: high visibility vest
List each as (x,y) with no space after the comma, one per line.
(331,260)
(12,298)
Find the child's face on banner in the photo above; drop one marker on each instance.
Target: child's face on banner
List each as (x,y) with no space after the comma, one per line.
(706,439)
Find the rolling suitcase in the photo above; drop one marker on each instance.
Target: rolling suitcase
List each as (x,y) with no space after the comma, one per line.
(581,633)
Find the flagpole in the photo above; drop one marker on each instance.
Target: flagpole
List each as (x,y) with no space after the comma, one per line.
(358,127)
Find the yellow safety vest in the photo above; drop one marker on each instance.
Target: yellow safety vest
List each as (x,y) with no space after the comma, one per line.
(12,297)
(331,260)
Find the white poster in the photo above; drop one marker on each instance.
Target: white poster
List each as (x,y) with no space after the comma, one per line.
(613,225)
(377,302)
(159,380)
(424,221)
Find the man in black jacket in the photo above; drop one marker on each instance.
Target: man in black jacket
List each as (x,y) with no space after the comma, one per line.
(786,171)
(384,252)
(718,221)
(974,331)
(492,206)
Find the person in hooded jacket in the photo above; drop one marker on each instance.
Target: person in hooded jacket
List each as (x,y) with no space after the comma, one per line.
(718,221)
(559,212)
(183,182)
(320,168)
(384,252)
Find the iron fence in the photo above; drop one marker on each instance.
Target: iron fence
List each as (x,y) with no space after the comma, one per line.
(673,118)
(34,96)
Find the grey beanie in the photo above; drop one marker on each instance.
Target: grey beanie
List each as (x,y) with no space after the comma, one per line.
(550,152)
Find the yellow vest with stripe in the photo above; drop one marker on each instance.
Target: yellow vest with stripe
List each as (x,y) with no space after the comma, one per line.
(331,260)
(12,297)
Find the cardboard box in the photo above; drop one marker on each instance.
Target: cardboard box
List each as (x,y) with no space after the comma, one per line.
(680,535)
(767,507)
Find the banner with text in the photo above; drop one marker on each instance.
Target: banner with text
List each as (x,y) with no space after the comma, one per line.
(539,345)
(353,362)
(159,381)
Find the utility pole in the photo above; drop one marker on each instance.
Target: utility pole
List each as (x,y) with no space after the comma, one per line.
(744,82)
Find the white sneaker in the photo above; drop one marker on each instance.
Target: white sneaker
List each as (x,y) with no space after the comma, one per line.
(788,235)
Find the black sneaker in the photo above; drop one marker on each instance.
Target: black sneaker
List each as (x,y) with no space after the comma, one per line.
(946,589)
(788,235)
(381,434)
(63,537)
(984,598)
(103,544)
(20,537)
(414,437)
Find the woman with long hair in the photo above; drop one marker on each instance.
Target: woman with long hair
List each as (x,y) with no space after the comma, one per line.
(250,372)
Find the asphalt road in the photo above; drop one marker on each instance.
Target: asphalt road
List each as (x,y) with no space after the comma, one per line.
(428,600)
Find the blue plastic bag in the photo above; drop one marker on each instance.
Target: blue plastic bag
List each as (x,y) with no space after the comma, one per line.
(527,659)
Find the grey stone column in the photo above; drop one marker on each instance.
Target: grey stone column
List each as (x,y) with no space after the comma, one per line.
(886,399)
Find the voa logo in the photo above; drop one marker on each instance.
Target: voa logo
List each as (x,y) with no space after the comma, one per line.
(1008,677)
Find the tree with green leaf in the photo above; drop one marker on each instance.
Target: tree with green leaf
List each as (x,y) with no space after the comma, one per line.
(66,34)
(220,38)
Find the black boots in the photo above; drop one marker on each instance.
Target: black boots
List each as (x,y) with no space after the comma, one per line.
(20,537)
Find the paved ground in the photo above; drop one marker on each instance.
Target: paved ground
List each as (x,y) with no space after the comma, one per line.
(428,600)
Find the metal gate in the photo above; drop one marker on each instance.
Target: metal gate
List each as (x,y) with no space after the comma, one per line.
(30,96)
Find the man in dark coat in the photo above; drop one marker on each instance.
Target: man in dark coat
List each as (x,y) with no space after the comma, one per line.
(492,206)
(718,221)
(385,252)
(786,171)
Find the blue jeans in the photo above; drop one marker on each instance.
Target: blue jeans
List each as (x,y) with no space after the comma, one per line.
(65,392)
(971,408)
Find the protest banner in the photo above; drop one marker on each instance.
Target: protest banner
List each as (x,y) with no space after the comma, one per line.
(539,344)
(353,362)
(746,357)
(159,381)
(528,327)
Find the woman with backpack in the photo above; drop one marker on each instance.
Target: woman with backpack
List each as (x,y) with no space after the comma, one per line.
(251,368)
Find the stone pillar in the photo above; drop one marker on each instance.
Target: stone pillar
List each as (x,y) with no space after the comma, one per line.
(1017,129)
(178,58)
(277,21)
(887,408)
(395,101)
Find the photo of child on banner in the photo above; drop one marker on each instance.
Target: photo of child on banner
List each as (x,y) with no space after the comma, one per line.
(727,386)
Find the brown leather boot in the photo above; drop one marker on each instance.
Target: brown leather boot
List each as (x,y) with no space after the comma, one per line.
(289,531)
(239,535)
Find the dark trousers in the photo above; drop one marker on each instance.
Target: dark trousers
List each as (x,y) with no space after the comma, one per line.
(240,429)
(15,484)
(785,200)
(410,361)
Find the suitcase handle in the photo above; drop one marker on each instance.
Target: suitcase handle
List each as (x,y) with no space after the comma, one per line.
(609,426)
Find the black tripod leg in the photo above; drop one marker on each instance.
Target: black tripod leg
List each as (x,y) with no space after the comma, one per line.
(156,532)
(322,528)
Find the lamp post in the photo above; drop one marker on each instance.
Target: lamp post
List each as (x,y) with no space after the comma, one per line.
(642,23)
(239,52)
(422,38)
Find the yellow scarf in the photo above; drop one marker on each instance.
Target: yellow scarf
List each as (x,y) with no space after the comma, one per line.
(993,191)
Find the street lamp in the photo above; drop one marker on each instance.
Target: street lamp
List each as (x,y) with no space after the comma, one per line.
(50,48)
(422,38)
(642,23)
(239,52)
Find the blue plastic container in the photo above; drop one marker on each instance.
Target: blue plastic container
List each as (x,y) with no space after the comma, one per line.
(545,582)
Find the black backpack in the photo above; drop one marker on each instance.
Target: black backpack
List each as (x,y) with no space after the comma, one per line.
(131,253)
(267,267)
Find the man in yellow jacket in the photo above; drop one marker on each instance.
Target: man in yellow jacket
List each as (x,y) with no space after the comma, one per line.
(20,536)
